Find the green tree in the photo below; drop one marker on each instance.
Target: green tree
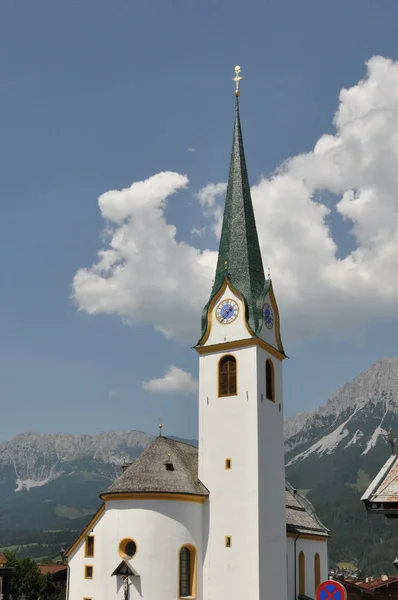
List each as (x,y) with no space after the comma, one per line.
(29,583)
(50,590)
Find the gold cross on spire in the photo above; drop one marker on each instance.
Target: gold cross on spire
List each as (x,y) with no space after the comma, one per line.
(237,79)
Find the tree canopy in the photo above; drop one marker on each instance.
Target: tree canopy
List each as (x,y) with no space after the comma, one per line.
(28,583)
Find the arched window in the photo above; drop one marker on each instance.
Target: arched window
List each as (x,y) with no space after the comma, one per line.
(301,561)
(269,380)
(227,376)
(187,583)
(317,570)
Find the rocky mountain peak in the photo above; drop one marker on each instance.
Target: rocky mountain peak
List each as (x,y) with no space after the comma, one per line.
(371,386)
(359,413)
(37,458)
(334,452)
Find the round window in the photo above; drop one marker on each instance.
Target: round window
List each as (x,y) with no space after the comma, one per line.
(127,548)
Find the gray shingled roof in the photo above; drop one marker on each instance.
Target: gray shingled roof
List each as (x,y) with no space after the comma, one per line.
(300,515)
(149,474)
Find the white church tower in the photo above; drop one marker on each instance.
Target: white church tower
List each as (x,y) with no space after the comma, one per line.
(209,523)
(241,447)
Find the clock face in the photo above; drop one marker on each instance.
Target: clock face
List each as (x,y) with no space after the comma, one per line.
(268,316)
(227,311)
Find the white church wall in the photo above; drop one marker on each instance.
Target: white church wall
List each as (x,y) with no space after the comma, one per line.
(227,430)
(78,586)
(310,548)
(291,574)
(247,502)
(159,528)
(271,481)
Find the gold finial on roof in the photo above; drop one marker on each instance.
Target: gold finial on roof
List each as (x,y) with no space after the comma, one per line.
(237,79)
(161,419)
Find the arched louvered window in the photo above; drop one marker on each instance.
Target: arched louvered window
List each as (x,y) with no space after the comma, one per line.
(227,373)
(187,572)
(301,574)
(317,570)
(269,380)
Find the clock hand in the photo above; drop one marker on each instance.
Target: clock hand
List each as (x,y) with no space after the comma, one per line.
(227,314)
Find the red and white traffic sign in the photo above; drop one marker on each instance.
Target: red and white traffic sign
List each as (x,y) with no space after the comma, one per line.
(331,590)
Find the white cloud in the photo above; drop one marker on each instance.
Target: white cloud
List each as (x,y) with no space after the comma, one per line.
(146,276)
(208,197)
(199,231)
(174,380)
(191,149)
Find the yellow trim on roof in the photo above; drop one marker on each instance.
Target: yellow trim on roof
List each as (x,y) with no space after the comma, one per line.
(307,536)
(277,320)
(86,530)
(153,496)
(226,346)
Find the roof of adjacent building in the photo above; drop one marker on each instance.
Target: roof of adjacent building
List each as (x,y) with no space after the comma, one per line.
(239,255)
(377,582)
(353,586)
(149,474)
(382,494)
(300,515)
(3,559)
(52,569)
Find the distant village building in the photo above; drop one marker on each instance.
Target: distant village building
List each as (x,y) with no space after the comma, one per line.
(5,574)
(217,521)
(59,573)
(381,497)
(3,561)
(379,588)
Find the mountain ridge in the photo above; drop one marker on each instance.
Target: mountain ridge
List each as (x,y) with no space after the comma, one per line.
(39,458)
(332,453)
(359,394)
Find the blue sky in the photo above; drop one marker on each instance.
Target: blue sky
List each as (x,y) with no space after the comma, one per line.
(96,95)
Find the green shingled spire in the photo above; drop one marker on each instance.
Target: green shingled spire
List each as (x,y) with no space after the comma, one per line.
(239,256)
